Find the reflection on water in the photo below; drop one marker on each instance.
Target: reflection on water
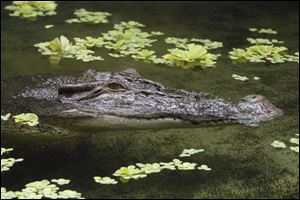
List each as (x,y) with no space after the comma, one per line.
(244,164)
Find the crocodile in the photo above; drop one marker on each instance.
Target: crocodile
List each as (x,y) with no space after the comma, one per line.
(125,99)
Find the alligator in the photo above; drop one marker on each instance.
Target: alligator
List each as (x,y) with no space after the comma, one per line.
(125,99)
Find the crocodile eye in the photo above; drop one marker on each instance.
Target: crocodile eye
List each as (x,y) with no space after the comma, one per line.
(115,86)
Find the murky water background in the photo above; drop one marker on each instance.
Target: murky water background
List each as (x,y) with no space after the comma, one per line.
(243,163)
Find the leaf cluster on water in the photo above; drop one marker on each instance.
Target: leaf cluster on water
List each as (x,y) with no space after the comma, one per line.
(31,9)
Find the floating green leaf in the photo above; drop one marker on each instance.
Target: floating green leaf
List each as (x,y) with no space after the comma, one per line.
(30,119)
(240,78)
(49,26)
(105,180)
(189,152)
(5,117)
(61,181)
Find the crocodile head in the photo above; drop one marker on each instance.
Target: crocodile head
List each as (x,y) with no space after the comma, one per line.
(253,109)
(127,94)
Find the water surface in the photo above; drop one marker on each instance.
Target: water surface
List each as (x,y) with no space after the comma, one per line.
(244,164)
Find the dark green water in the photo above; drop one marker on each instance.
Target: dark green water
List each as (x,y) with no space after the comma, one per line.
(244,164)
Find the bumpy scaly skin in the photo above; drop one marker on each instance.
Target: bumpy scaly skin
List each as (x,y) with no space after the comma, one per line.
(127,94)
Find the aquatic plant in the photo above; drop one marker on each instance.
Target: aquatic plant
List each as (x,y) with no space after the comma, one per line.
(63,48)
(193,56)
(262,41)
(7,163)
(263,30)
(183,42)
(130,172)
(30,119)
(184,165)
(259,53)
(293,141)
(157,33)
(49,26)
(256,78)
(127,39)
(105,180)
(189,152)
(240,78)
(41,189)
(263,50)
(278,144)
(61,181)
(144,55)
(84,16)
(37,189)
(5,117)
(141,170)
(31,9)
(149,168)
(204,167)
(89,42)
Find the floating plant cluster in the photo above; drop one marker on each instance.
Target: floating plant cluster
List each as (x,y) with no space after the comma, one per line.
(183,42)
(30,119)
(31,9)
(243,78)
(263,50)
(38,189)
(41,190)
(262,41)
(263,53)
(63,48)
(105,180)
(191,57)
(7,163)
(84,16)
(264,30)
(282,145)
(128,40)
(141,170)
